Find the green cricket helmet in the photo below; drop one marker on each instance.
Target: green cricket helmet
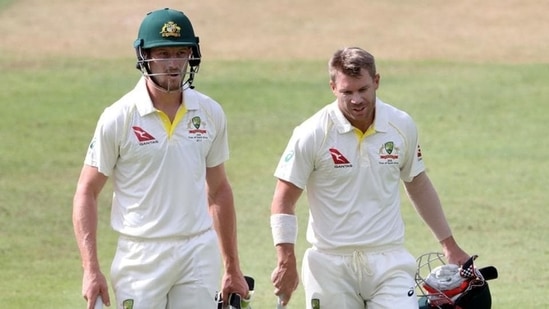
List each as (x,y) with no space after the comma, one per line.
(446,286)
(166,28)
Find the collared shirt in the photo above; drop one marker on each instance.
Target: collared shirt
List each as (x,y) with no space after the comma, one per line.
(158,168)
(353,179)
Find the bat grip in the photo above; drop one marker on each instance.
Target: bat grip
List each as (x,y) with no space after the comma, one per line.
(98,303)
(279,303)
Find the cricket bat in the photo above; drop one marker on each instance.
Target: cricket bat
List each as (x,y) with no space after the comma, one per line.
(279,303)
(98,303)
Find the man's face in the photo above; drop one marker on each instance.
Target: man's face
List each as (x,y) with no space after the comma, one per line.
(168,65)
(356,97)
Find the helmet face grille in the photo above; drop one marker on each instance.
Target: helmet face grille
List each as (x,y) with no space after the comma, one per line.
(165,27)
(471,293)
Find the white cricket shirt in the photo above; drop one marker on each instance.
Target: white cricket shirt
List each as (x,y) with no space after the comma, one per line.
(353,181)
(158,169)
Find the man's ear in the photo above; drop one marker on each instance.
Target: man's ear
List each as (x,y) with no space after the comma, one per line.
(377,79)
(332,86)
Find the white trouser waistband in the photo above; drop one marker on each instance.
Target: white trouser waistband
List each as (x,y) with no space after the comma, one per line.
(352,250)
(162,239)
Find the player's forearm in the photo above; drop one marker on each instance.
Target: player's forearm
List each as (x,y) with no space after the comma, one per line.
(85,229)
(224,217)
(286,255)
(427,203)
(285,198)
(229,246)
(283,220)
(229,253)
(449,244)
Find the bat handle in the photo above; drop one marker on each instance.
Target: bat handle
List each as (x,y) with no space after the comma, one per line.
(98,303)
(279,303)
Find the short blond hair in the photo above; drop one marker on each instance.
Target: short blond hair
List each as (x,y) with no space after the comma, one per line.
(350,61)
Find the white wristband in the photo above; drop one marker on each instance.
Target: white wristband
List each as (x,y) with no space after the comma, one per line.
(284,228)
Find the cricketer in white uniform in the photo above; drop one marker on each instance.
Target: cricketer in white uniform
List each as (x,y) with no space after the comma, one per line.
(351,157)
(164,145)
(155,162)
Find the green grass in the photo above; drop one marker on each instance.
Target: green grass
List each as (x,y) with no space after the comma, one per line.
(5,3)
(483,131)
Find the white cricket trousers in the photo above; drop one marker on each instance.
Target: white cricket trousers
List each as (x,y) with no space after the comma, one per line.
(358,279)
(172,273)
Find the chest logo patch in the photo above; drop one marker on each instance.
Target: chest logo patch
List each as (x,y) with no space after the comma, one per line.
(197,129)
(339,159)
(389,153)
(143,136)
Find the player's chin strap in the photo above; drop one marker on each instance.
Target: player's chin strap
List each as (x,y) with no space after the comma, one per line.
(235,301)
(190,80)
(143,67)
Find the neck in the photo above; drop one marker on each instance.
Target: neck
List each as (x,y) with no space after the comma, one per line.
(167,102)
(163,98)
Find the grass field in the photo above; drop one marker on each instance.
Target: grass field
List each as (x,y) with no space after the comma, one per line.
(481,112)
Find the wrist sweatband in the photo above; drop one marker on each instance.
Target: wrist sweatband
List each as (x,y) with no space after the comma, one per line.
(284,228)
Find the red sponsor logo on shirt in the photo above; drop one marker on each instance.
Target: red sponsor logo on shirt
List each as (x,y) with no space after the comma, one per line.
(338,158)
(142,135)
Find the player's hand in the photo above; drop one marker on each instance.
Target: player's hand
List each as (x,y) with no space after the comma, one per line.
(233,283)
(93,285)
(457,257)
(453,253)
(285,278)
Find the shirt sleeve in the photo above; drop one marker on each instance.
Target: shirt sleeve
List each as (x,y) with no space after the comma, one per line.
(219,151)
(413,163)
(297,161)
(103,149)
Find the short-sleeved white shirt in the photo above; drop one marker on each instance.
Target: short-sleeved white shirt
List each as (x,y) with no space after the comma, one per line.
(159,176)
(353,183)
